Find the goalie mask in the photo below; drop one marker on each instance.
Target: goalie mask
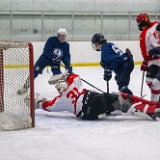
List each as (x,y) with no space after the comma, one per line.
(61,86)
(62,35)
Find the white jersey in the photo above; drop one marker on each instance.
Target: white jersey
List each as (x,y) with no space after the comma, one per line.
(148,39)
(70,100)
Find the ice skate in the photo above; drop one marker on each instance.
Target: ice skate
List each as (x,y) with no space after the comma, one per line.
(22,91)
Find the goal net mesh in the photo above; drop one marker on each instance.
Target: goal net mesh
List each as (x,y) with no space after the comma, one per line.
(16,65)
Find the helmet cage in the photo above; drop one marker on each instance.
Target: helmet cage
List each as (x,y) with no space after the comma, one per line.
(61,86)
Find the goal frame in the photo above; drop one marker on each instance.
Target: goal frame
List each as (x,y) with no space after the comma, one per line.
(4,45)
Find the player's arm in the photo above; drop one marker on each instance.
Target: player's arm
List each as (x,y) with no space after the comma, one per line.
(67,58)
(48,48)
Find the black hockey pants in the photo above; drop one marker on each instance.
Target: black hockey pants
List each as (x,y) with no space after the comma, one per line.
(95,104)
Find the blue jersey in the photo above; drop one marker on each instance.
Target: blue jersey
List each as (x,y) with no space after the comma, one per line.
(57,51)
(112,56)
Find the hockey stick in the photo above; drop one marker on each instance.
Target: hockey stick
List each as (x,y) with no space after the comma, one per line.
(108,87)
(54,79)
(142,84)
(92,85)
(89,83)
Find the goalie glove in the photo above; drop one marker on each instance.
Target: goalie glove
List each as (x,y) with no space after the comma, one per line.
(55,78)
(37,99)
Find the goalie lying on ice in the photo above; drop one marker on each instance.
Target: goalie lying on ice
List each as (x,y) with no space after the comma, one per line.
(89,105)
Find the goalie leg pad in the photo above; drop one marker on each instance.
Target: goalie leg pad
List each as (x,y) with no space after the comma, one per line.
(143,110)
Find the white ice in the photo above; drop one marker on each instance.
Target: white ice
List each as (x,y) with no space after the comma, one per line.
(60,136)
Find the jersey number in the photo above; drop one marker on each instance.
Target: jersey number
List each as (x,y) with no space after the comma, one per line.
(117,50)
(73,94)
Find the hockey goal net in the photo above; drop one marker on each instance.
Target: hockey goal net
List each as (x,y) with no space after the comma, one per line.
(16,65)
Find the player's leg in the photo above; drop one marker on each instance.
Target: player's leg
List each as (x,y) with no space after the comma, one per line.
(92,106)
(142,107)
(155,88)
(55,68)
(153,79)
(38,68)
(123,76)
(97,105)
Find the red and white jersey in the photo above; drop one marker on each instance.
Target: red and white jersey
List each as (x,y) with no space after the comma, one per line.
(149,39)
(70,100)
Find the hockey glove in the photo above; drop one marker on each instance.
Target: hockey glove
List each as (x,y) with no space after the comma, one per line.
(155,55)
(69,68)
(155,52)
(128,51)
(144,66)
(107,74)
(129,54)
(102,65)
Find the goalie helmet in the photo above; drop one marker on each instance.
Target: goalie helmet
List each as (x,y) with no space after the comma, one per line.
(62,35)
(97,39)
(61,86)
(143,21)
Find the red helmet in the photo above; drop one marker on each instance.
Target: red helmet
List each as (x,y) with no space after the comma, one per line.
(143,20)
(143,17)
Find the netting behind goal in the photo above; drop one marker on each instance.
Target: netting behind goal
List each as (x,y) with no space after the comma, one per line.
(16,65)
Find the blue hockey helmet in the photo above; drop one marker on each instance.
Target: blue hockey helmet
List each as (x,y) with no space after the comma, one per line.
(97,38)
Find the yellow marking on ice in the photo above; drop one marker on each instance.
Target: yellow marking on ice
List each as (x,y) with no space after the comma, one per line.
(16,66)
(94,64)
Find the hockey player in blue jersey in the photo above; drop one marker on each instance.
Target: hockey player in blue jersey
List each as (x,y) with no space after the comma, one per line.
(113,59)
(56,49)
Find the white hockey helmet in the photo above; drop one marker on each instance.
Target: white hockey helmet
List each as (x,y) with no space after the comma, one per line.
(62,35)
(61,86)
(62,31)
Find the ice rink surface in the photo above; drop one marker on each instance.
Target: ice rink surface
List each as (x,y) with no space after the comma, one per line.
(60,136)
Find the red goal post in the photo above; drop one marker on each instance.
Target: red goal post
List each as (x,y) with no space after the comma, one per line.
(16,65)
